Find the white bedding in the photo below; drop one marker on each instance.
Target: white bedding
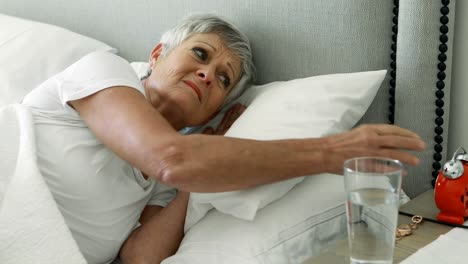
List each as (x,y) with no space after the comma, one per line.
(32,229)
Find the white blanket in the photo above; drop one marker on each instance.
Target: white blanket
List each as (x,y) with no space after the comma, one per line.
(32,229)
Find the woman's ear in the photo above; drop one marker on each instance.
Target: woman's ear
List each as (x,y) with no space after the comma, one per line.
(155,54)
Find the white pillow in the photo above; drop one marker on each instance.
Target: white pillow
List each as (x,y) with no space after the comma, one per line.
(300,225)
(31,52)
(308,219)
(310,107)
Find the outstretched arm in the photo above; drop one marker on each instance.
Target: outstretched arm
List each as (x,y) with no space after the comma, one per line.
(123,120)
(245,163)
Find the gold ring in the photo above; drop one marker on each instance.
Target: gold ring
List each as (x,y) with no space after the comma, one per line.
(417,219)
(404,230)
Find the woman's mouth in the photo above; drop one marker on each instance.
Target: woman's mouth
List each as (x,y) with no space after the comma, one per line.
(194,88)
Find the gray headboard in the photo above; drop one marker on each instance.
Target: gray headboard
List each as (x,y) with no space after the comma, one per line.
(298,39)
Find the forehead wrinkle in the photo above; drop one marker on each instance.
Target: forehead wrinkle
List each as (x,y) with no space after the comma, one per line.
(213,47)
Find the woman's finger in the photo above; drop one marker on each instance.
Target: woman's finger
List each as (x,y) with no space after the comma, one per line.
(208,131)
(225,120)
(238,110)
(385,129)
(402,142)
(402,156)
(229,118)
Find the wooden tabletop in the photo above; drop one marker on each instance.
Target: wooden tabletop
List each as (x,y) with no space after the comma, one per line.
(426,232)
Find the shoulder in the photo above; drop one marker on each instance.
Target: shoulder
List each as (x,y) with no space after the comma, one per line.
(102,56)
(100,65)
(101,60)
(93,73)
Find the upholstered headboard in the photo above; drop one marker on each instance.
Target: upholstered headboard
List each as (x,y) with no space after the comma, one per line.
(303,38)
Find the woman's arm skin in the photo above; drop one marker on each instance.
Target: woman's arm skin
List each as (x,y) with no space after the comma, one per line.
(159,235)
(134,130)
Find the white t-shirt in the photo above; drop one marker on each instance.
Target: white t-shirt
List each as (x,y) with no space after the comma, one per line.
(100,195)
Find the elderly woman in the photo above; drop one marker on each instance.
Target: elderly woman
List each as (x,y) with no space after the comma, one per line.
(108,142)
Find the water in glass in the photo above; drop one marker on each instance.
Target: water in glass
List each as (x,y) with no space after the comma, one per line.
(372,220)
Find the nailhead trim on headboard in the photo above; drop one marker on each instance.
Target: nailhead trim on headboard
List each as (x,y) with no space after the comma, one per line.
(393,56)
(439,120)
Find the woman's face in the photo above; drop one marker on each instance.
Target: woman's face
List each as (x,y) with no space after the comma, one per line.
(189,84)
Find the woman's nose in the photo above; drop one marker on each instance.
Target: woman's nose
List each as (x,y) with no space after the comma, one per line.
(205,76)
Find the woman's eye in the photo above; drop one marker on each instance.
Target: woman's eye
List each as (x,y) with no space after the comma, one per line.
(201,53)
(225,80)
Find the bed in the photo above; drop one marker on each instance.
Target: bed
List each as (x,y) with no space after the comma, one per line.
(411,40)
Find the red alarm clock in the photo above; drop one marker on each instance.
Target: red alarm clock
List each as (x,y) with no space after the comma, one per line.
(451,189)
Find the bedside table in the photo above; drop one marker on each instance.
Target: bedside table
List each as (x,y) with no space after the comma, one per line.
(425,233)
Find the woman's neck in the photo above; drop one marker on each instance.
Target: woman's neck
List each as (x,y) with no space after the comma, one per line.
(171,114)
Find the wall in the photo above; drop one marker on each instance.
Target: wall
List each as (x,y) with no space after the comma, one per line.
(458,127)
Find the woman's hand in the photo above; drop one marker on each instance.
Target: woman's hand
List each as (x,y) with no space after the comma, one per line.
(229,118)
(160,233)
(373,140)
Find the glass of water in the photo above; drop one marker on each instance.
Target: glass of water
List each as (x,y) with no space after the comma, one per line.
(372,187)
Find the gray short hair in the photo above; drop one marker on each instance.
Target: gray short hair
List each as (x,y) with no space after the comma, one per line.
(233,38)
